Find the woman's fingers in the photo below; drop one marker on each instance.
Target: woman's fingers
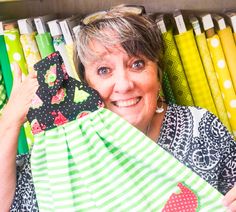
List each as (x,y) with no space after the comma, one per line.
(17,75)
(230,200)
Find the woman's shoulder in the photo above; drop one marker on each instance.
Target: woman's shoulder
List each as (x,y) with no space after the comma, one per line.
(194,122)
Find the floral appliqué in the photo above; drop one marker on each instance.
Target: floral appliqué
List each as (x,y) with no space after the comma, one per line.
(60,119)
(36,102)
(51,75)
(36,127)
(59,97)
(80,95)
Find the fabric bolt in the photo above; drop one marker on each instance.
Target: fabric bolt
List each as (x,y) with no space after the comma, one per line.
(224,79)
(173,67)
(229,48)
(70,52)
(7,75)
(5,66)
(59,45)
(86,158)
(167,90)
(194,70)
(3,95)
(14,49)
(212,79)
(45,44)
(30,50)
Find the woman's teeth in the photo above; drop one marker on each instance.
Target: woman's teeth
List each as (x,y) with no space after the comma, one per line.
(127,103)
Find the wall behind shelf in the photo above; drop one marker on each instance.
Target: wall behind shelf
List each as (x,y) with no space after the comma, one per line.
(27,8)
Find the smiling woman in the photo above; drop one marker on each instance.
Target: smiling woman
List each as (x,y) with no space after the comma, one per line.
(119,53)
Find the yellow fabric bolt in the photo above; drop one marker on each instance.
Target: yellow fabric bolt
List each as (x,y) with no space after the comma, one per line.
(212,79)
(70,52)
(224,79)
(174,68)
(229,47)
(30,49)
(194,71)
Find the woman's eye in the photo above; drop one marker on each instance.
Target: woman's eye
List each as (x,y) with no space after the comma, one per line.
(138,64)
(103,71)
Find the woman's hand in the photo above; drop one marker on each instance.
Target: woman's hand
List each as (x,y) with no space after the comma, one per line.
(230,200)
(22,94)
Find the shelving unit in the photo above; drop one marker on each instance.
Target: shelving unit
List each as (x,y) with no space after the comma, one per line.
(27,8)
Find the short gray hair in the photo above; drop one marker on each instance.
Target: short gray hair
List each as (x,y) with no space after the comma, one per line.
(137,34)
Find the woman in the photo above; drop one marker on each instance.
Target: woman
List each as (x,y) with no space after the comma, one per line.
(120,54)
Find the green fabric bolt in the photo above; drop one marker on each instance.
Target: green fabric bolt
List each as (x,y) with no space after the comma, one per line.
(5,64)
(14,49)
(194,71)
(14,54)
(102,163)
(45,44)
(167,90)
(212,79)
(173,67)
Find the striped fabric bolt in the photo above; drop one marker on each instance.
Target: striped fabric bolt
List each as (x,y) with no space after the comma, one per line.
(102,163)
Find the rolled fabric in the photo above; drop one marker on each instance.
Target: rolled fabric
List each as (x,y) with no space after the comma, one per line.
(224,79)
(194,70)
(30,50)
(15,54)
(70,52)
(59,45)
(5,65)
(167,90)
(3,95)
(212,79)
(174,69)
(45,44)
(229,48)
(14,49)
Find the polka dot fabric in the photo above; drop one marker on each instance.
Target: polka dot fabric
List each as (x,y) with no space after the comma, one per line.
(14,49)
(224,79)
(60,98)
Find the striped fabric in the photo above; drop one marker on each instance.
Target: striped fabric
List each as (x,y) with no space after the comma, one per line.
(102,163)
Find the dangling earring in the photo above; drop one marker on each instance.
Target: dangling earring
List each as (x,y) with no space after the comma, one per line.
(161,108)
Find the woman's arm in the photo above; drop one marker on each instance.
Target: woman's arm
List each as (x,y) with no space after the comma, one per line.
(14,115)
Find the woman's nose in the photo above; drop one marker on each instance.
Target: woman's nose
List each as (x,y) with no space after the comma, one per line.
(123,83)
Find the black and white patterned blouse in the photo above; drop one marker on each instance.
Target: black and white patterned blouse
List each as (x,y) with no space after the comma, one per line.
(192,135)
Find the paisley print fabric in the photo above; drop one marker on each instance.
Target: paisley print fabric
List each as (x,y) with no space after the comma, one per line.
(199,140)
(193,135)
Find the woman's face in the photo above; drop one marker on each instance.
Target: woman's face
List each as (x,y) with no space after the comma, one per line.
(127,84)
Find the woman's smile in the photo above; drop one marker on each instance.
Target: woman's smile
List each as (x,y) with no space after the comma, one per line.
(126,102)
